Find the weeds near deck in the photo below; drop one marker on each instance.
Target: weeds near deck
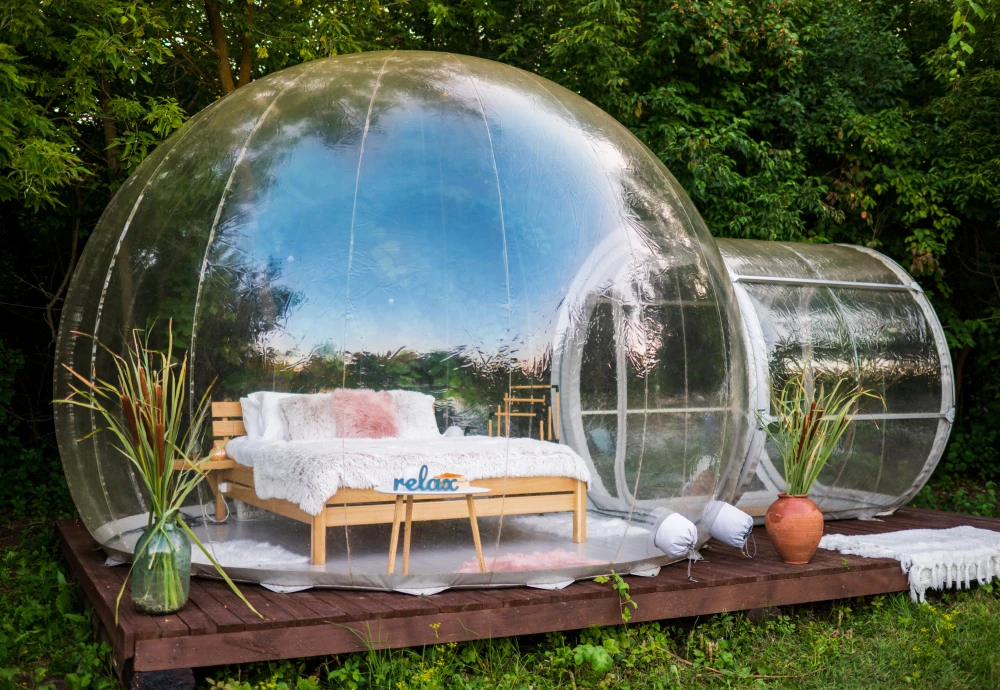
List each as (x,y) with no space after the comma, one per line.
(621,587)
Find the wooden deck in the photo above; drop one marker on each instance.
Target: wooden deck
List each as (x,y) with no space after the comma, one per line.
(215,628)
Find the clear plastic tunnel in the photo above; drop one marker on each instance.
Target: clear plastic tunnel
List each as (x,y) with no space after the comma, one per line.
(428,223)
(847,313)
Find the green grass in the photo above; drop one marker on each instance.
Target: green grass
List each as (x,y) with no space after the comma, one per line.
(960,496)
(46,641)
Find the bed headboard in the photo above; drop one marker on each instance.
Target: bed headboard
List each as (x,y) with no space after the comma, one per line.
(227,421)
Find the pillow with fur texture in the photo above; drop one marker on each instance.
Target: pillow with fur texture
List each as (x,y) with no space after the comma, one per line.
(309,417)
(363,413)
(415,415)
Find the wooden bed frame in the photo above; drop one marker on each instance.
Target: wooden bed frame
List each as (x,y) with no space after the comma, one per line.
(510,496)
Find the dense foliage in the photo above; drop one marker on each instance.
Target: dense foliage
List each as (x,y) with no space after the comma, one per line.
(865,121)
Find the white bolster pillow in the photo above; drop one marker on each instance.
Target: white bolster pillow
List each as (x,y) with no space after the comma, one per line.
(732,526)
(676,536)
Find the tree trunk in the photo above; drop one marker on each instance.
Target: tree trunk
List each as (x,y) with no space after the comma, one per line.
(246,50)
(959,367)
(50,318)
(110,131)
(221,47)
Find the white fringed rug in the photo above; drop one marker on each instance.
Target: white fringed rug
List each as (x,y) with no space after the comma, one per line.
(932,558)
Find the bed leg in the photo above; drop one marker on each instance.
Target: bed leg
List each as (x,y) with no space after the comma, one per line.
(580,512)
(318,539)
(220,499)
(220,507)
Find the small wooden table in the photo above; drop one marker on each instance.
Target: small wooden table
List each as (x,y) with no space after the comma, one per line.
(431,496)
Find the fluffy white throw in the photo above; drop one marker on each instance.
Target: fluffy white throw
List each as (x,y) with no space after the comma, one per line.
(933,558)
(308,473)
(247,553)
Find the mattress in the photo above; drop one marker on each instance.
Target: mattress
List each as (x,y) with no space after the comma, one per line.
(308,473)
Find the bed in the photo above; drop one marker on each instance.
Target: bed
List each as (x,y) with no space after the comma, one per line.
(331,483)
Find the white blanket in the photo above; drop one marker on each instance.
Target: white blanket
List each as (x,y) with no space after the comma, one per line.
(308,473)
(933,558)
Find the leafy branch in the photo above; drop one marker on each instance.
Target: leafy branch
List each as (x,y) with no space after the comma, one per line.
(621,587)
(808,424)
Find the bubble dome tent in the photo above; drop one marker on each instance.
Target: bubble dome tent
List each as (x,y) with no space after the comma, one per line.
(453,226)
(437,223)
(850,313)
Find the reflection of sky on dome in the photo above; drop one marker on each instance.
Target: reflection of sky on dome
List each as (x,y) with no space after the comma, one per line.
(427,265)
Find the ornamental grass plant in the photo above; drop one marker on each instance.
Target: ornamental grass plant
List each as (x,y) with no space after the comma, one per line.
(143,411)
(808,420)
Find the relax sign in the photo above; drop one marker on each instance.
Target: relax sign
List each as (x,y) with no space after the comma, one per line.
(442,482)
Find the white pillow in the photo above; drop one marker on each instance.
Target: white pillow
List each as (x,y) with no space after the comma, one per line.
(272,422)
(415,415)
(251,414)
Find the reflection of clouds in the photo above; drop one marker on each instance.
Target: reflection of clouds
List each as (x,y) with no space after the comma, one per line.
(586,212)
(426,268)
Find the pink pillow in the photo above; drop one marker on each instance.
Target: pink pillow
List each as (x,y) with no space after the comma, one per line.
(363,413)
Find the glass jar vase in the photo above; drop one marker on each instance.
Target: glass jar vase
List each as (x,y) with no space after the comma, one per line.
(161,576)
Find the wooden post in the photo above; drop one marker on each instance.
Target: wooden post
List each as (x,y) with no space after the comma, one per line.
(557,416)
(394,541)
(549,408)
(475,532)
(491,428)
(317,540)
(406,534)
(580,512)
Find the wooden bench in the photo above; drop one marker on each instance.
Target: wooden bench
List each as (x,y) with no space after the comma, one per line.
(510,496)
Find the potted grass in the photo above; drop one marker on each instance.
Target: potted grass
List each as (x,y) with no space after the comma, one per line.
(143,411)
(807,424)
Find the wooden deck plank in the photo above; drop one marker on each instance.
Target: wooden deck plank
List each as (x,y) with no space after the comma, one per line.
(275,616)
(223,619)
(456,601)
(217,628)
(918,518)
(226,598)
(296,607)
(326,611)
(347,604)
(396,605)
(197,621)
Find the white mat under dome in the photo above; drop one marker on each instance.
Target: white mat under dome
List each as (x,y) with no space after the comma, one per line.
(932,558)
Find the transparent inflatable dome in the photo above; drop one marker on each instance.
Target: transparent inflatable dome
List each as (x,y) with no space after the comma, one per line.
(432,223)
(845,313)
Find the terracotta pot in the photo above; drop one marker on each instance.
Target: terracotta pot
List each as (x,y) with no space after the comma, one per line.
(795,527)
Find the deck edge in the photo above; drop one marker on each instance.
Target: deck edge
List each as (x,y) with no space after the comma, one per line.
(339,638)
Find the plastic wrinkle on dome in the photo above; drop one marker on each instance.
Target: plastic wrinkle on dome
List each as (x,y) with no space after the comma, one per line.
(851,313)
(434,223)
